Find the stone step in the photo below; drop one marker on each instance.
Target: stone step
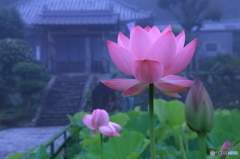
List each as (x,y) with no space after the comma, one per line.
(64,104)
(59,113)
(64,98)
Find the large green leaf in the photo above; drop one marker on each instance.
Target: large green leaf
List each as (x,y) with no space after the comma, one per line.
(228,122)
(192,154)
(226,127)
(16,155)
(168,152)
(138,122)
(217,138)
(133,114)
(129,146)
(73,149)
(213,157)
(91,140)
(171,113)
(120,118)
(38,153)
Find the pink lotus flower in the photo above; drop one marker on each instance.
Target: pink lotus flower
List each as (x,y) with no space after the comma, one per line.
(99,121)
(152,57)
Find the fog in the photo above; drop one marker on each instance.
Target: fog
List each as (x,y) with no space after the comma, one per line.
(55,54)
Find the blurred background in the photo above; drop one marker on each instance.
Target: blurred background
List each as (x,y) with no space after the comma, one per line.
(53,54)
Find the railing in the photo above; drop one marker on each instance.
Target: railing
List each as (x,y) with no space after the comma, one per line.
(51,141)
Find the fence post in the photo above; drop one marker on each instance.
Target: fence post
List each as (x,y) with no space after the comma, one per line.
(52,149)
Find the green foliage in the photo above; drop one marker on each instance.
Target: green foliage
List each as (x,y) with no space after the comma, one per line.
(170,113)
(76,125)
(165,151)
(31,77)
(226,127)
(38,153)
(229,64)
(119,147)
(120,118)
(11,24)
(177,141)
(13,51)
(16,155)
(139,123)
(223,64)
(88,140)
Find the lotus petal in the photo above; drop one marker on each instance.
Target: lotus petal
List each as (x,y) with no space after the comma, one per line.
(173,84)
(180,40)
(182,59)
(164,49)
(100,117)
(135,90)
(122,58)
(116,126)
(108,131)
(120,84)
(154,34)
(87,120)
(167,29)
(123,40)
(139,42)
(147,71)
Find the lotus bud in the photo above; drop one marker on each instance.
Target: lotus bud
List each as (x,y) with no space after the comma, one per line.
(199,111)
(227,146)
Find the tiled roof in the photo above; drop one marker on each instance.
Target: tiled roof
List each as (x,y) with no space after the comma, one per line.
(223,25)
(78,11)
(75,18)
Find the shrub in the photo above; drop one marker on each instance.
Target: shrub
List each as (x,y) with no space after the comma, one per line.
(31,79)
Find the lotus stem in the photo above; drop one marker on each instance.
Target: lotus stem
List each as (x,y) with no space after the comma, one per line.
(151,124)
(202,145)
(101,145)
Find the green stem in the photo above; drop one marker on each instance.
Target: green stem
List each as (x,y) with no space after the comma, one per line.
(202,145)
(101,142)
(151,124)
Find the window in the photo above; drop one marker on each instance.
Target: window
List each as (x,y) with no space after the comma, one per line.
(211,47)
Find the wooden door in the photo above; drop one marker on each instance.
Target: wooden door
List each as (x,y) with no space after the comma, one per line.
(70,54)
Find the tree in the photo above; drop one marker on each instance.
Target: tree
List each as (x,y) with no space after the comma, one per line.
(11,24)
(12,51)
(192,13)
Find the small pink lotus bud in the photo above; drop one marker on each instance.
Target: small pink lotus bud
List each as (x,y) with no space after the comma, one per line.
(227,146)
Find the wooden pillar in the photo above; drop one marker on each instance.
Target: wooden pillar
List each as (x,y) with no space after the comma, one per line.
(51,54)
(105,59)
